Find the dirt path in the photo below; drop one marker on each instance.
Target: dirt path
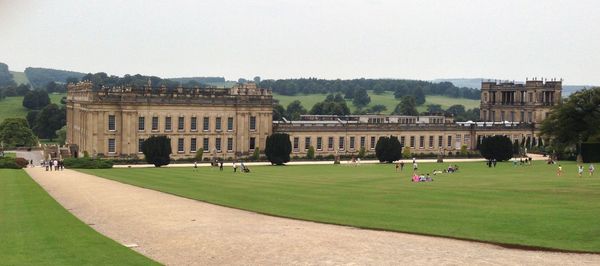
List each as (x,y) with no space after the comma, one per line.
(179,231)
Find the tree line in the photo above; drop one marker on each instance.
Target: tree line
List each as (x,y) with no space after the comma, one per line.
(352,87)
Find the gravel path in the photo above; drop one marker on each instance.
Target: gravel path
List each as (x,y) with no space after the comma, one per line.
(179,231)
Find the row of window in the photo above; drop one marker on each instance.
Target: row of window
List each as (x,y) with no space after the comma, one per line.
(510,118)
(181,123)
(341,145)
(193,147)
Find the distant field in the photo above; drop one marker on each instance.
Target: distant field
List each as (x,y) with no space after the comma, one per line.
(387,99)
(20,77)
(13,106)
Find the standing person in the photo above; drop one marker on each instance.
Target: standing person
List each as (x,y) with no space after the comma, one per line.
(221,166)
(234,166)
(55,165)
(397,167)
(591,169)
(31,163)
(580,170)
(415,166)
(195,166)
(401,165)
(414,160)
(494,162)
(559,170)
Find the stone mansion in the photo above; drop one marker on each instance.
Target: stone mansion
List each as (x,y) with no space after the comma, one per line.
(231,122)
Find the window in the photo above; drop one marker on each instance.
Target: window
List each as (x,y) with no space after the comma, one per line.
(449,141)
(502,116)
(306,143)
(193,146)
(111,145)
(205,123)
(112,126)
(253,123)
(529,117)
(154,123)
(140,145)
(458,138)
(168,123)
(412,141)
(430,142)
(485,115)
(180,145)
(512,116)
(141,123)
(194,123)
(205,144)
(330,143)
(352,139)
(180,123)
(319,143)
(440,141)
(218,124)
(402,141)
(218,144)
(296,140)
(229,144)
(522,116)
(229,123)
(421,142)
(530,97)
(362,142)
(372,143)
(341,143)
(252,143)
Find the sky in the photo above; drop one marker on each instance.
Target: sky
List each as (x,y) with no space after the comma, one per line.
(421,39)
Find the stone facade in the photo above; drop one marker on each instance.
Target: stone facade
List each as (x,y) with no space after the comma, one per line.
(528,103)
(112,122)
(232,122)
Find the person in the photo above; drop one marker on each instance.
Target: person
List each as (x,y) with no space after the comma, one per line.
(195,166)
(559,170)
(401,165)
(55,165)
(31,163)
(234,166)
(397,167)
(415,166)
(494,162)
(221,166)
(580,170)
(358,161)
(591,169)
(414,160)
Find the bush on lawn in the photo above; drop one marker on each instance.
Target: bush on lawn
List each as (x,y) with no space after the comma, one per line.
(496,147)
(278,148)
(87,163)
(9,163)
(157,150)
(388,149)
(21,162)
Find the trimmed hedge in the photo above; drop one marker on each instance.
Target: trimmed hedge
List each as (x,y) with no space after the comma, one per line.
(87,163)
(9,163)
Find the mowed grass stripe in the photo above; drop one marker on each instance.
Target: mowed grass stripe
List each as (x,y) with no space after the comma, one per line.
(36,230)
(526,205)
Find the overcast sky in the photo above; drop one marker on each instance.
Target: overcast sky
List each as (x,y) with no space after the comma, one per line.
(326,39)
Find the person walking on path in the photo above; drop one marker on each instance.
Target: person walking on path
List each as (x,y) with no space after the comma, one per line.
(591,169)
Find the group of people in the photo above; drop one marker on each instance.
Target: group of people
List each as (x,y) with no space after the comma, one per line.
(219,164)
(49,164)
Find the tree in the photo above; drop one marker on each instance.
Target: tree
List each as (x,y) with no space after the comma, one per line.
(362,152)
(36,99)
(516,147)
(22,89)
(574,121)
(14,132)
(256,154)
(295,109)
(407,106)
(32,118)
(278,148)
(419,96)
(496,147)
(434,108)
(49,120)
(61,135)
(157,150)
(310,154)
(55,87)
(456,110)
(378,108)
(278,112)
(388,149)
(361,98)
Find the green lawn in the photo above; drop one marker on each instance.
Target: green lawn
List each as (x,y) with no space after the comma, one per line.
(36,230)
(387,99)
(13,106)
(20,77)
(528,206)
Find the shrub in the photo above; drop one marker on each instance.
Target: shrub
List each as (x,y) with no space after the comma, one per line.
(256,154)
(388,149)
(199,154)
(21,162)
(496,147)
(86,154)
(87,163)
(310,154)
(157,150)
(278,148)
(9,163)
(463,150)
(361,152)
(406,152)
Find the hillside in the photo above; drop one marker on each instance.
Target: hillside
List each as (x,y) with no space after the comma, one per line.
(38,77)
(12,107)
(387,99)
(20,77)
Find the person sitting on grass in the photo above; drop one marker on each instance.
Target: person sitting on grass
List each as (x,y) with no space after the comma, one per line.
(436,172)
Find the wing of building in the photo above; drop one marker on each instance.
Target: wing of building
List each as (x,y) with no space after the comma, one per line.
(232,122)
